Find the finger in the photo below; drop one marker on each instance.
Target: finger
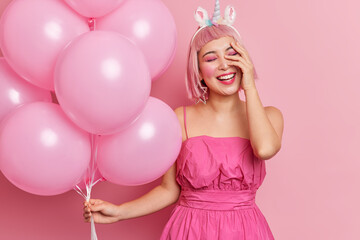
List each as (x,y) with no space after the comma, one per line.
(240,49)
(97,207)
(87,209)
(97,218)
(237,59)
(239,65)
(233,58)
(87,215)
(245,54)
(95,201)
(87,219)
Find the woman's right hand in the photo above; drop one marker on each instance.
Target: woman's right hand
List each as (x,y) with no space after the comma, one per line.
(158,198)
(101,211)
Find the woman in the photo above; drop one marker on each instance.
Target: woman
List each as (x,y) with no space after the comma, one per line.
(225,142)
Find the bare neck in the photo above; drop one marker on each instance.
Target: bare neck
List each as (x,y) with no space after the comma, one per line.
(220,104)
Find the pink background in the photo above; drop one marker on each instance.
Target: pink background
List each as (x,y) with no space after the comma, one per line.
(306,54)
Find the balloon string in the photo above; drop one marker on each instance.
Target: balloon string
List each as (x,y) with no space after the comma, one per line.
(93,231)
(89,179)
(79,191)
(86,196)
(92,183)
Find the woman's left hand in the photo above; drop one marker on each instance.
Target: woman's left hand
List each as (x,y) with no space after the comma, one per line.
(242,61)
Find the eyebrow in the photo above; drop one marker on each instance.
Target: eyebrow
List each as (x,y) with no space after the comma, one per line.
(208,53)
(215,52)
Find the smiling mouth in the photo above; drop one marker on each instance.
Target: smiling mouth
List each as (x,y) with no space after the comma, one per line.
(226,77)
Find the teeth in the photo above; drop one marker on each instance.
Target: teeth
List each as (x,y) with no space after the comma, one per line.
(226,77)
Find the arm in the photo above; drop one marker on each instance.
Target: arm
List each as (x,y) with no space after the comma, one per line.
(265,124)
(158,198)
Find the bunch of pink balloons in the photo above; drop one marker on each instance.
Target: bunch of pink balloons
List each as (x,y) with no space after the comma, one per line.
(99,59)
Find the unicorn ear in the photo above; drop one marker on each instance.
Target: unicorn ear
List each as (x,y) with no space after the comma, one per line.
(230,15)
(201,16)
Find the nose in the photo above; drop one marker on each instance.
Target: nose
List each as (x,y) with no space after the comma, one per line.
(223,64)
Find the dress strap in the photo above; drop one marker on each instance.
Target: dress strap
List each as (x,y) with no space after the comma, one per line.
(185,122)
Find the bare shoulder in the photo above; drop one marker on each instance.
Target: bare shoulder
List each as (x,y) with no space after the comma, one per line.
(180,111)
(276,118)
(180,115)
(271,110)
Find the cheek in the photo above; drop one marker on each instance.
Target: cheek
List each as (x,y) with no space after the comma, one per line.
(208,70)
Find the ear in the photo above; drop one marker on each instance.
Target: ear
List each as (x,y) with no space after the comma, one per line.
(230,15)
(201,16)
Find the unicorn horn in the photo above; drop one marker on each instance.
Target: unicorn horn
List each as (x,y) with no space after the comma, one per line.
(216,15)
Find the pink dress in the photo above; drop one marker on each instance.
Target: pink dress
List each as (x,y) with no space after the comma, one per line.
(219,177)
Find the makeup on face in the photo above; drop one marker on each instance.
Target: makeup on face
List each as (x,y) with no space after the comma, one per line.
(227,78)
(210,66)
(230,51)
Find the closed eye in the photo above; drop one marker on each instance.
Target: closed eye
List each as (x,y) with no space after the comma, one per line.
(210,59)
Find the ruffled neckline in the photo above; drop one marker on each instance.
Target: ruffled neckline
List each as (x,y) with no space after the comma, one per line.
(218,163)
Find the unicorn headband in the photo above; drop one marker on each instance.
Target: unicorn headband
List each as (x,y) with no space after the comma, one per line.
(202,17)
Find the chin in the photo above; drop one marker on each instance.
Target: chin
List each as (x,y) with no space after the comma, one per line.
(231,92)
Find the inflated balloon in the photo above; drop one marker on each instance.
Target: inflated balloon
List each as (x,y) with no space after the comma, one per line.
(41,150)
(94,8)
(145,150)
(32,34)
(102,82)
(15,91)
(150,25)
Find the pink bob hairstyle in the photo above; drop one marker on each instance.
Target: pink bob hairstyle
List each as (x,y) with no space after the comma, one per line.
(194,86)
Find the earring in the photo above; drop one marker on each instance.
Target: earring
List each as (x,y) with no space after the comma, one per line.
(202,98)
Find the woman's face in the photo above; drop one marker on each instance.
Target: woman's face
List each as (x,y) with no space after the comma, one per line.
(218,74)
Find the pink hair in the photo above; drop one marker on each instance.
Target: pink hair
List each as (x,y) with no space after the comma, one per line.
(193,83)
